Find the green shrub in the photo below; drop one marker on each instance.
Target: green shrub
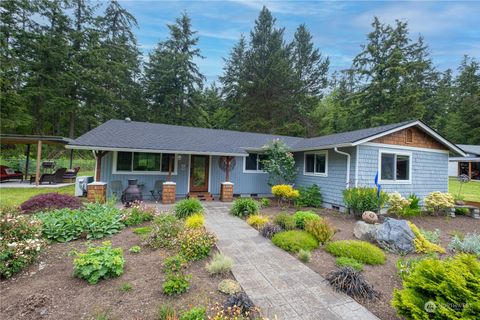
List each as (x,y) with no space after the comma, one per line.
(295,240)
(302,216)
(450,286)
(196,220)
(462,211)
(304,255)
(470,243)
(176,284)
(413,209)
(363,199)
(257,221)
(244,207)
(309,197)
(349,262)
(186,207)
(166,312)
(142,230)
(164,233)
(285,221)
(219,264)
(196,244)
(20,241)
(135,249)
(99,262)
(361,251)
(174,264)
(320,229)
(95,221)
(265,202)
(196,313)
(138,213)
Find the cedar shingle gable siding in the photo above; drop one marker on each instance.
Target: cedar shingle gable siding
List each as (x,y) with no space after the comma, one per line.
(418,139)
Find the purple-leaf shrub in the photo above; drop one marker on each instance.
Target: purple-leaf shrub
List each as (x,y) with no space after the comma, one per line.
(50,201)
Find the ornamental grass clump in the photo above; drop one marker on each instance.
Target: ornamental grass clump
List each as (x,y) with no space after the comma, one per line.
(437,202)
(449,287)
(20,241)
(303,216)
(99,262)
(320,229)
(351,282)
(186,207)
(50,201)
(196,244)
(422,245)
(257,221)
(244,207)
(219,264)
(361,251)
(304,255)
(294,240)
(363,199)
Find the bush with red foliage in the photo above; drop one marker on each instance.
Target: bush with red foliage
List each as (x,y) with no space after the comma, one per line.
(50,201)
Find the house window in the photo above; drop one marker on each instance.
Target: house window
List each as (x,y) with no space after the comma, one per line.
(316,163)
(144,162)
(395,167)
(253,162)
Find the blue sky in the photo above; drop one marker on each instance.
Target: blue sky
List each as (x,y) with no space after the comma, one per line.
(451,28)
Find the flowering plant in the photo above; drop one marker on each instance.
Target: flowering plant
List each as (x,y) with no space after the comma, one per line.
(397,203)
(438,201)
(20,241)
(284,192)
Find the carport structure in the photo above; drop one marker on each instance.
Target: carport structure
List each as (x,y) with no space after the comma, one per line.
(39,140)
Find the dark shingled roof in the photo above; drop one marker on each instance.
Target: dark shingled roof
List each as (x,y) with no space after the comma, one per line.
(154,136)
(471,149)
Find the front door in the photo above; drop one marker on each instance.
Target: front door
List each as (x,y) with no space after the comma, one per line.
(199,173)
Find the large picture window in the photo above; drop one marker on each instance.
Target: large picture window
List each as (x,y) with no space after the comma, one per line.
(138,162)
(315,163)
(395,167)
(253,162)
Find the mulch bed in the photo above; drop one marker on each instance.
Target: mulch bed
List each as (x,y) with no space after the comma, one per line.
(47,290)
(383,278)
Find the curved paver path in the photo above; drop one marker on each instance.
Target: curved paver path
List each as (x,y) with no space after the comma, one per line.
(277,282)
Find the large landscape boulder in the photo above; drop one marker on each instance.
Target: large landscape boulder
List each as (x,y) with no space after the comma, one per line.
(396,235)
(365,231)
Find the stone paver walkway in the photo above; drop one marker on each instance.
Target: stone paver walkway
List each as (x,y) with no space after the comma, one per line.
(277,282)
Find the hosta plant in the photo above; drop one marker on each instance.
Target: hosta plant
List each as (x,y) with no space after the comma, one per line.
(99,262)
(244,207)
(186,207)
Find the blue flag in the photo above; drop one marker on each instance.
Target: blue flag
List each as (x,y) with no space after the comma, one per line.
(379,186)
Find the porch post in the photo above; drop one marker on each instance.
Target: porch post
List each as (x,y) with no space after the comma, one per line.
(228,160)
(98,168)
(470,169)
(71,158)
(170,166)
(39,157)
(27,162)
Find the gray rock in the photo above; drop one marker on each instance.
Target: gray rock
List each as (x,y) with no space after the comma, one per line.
(365,231)
(396,235)
(370,217)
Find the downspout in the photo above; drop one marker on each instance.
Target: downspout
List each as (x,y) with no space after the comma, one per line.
(347,180)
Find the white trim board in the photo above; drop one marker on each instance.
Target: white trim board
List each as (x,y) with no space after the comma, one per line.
(400,147)
(244,167)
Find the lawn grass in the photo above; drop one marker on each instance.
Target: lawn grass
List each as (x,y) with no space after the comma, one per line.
(470,190)
(16,196)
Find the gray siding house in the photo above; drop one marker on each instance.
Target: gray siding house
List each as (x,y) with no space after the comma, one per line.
(410,157)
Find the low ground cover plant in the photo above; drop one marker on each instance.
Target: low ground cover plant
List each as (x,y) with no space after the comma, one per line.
(294,240)
(349,262)
(135,249)
(244,207)
(176,283)
(285,221)
(303,216)
(186,207)
(195,221)
(351,282)
(449,286)
(361,251)
(195,313)
(309,197)
(126,287)
(94,221)
(436,202)
(219,264)
(363,199)
(137,213)
(50,201)
(196,244)
(320,229)
(422,245)
(164,232)
(142,230)
(20,241)
(269,230)
(174,264)
(265,202)
(405,266)
(470,243)
(99,262)
(166,312)
(229,286)
(432,236)
(240,300)
(257,221)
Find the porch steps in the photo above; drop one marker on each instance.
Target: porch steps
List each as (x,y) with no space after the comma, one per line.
(202,196)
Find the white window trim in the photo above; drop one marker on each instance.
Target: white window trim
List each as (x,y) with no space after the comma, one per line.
(395,152)
(245,164)
(317,174)
(156,173)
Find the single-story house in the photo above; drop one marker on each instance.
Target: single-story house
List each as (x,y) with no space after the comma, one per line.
(410,157)
(468,165)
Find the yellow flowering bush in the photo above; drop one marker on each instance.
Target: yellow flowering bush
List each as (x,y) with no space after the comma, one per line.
(397,203)
(422,245)
(257,221)
(285,192)
(438,201)
(195,221)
